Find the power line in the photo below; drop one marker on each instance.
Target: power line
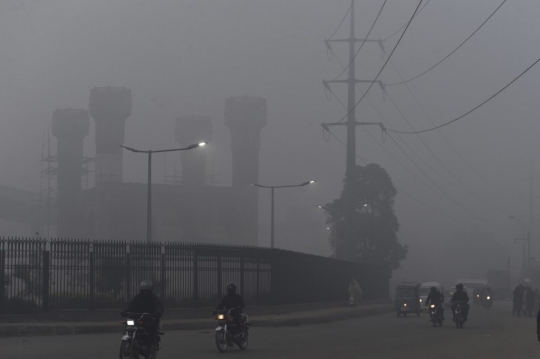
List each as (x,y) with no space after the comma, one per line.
(444,166)
(450,54)
(386,62)
(363,42)
(344,144)
(463,186)
(471,111)
(401,28)
(471,167)
(406,168)
(384,121)
(342,21)
(390,153)
(439,187)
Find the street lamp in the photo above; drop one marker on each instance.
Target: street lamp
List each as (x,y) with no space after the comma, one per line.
(272,188)
(149,191)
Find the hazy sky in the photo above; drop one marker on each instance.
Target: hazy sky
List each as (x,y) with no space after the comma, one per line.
(183,57)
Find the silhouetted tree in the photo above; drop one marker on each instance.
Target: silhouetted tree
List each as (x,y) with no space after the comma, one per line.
(375,224)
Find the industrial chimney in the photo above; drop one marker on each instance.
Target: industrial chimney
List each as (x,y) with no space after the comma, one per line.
(70,126)
(110,107)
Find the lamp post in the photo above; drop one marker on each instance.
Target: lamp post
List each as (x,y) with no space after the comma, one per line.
(272,188)
(149,191)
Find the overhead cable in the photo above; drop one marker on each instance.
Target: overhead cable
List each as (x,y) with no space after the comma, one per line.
(401,28)
(471,111)
(472,213)
(363,42)
(342,21)
(450,54)
(386,62)
(471,167)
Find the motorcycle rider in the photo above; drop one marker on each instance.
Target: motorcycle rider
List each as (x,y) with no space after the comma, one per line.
(147,302)
(460,296)
(232,301)
(488,293)
(437,298)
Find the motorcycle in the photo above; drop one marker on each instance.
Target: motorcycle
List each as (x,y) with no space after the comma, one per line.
(488,301)
(137,342)
(458,317)
(435,313)
(231,329)
(477,299)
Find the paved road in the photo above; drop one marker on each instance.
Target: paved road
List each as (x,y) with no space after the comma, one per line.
(489,334)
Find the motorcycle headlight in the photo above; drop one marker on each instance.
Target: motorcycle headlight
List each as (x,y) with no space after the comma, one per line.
(130,322)
(488,297)
(433,306)
(221,316)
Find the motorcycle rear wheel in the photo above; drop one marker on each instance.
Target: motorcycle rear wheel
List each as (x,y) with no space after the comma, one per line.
(221,342)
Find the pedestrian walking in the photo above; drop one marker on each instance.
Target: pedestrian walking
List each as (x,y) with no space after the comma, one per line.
(355,293)
(518,300)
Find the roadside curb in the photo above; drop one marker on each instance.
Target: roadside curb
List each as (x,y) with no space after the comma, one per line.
(291,319)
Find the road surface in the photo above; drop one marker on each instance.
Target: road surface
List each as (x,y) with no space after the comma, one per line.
(489,334)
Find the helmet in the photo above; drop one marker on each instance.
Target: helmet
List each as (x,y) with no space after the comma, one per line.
(459,286)
(146,286)
(433,289)
(231,288)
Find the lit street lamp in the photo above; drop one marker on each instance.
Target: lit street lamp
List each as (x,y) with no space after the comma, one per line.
(272,188)
(149,191)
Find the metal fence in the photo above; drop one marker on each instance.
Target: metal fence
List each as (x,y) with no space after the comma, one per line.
(38,275)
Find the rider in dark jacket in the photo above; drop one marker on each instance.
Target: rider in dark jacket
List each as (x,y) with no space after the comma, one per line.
(146,302)
(437,298)
(461,296)
(231,300)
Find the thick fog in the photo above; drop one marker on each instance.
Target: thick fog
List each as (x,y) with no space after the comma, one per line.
(185,57)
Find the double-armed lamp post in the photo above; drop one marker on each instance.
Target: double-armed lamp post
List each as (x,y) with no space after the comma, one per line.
(149,191)
(272,188)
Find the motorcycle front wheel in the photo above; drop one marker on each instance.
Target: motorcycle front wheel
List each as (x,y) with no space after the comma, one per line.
(126,349)
(221,341)
(243,342)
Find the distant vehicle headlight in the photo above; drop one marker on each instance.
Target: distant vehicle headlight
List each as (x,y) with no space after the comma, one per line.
(130,322)
(420,300)
(433,306)
(221,316)
(404,304)
(488,297)
(478,296)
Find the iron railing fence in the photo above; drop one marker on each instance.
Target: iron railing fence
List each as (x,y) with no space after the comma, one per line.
(38,275)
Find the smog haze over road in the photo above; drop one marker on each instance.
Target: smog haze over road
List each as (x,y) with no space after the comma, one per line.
(186,57)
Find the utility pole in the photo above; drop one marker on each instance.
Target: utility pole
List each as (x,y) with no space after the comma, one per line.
(531,211)
(345,251)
